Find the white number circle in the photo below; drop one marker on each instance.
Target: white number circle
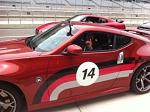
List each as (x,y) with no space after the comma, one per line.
(87,74)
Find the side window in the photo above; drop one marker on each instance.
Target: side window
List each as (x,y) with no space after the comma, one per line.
(122,41)
(96,41)
(91,20)
(102,20)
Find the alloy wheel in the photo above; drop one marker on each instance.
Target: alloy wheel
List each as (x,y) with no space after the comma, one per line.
(7,101)
(143,79)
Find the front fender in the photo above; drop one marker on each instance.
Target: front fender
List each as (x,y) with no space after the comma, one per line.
(7,70)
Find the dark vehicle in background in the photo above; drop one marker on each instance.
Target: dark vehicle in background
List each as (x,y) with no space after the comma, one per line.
(144,26)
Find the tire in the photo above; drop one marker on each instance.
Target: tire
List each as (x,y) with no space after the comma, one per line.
(140,82)
(10,99)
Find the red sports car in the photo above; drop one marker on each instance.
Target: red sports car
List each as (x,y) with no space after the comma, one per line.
(86,18)
(71,62)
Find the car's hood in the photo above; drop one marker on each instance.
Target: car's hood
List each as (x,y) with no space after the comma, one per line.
(13,46)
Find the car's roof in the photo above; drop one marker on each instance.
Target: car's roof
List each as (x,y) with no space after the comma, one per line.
(97,27)
(90,26)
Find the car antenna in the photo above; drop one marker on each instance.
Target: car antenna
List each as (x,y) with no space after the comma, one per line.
(70,29)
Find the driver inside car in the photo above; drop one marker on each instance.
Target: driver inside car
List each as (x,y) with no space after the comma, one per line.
(89,43)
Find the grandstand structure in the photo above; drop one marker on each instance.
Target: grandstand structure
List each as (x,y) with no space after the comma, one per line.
(42,11)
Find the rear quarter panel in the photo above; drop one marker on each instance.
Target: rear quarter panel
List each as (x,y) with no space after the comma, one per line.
(115,25)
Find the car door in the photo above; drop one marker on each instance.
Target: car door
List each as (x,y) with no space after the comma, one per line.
(112,57)
(79,74)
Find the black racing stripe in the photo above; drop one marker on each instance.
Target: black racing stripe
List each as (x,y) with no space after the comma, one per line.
(71,70)
(51,80)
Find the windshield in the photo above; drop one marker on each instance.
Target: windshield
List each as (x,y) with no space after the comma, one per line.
(52,38)
(76,18)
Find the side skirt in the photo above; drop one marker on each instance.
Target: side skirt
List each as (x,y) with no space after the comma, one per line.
(72,100)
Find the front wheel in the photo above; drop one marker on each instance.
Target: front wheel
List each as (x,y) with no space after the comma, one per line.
(140,83)
(10,100)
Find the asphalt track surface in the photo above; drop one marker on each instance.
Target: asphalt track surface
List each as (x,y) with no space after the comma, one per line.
(122,102)
(15,33)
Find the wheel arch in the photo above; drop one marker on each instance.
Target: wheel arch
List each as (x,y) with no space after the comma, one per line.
(9,84)
(136,69)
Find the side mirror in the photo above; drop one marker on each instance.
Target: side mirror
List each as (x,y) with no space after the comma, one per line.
(74,49)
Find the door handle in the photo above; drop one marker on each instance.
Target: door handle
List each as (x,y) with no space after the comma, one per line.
(120,58)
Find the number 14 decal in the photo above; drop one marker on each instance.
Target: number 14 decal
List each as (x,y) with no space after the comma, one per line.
(87,74)
(90,74)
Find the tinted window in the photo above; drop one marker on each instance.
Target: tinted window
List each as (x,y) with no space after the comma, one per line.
(91,19)
(100,41)
(102,20)
(94,20)
(122,41)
